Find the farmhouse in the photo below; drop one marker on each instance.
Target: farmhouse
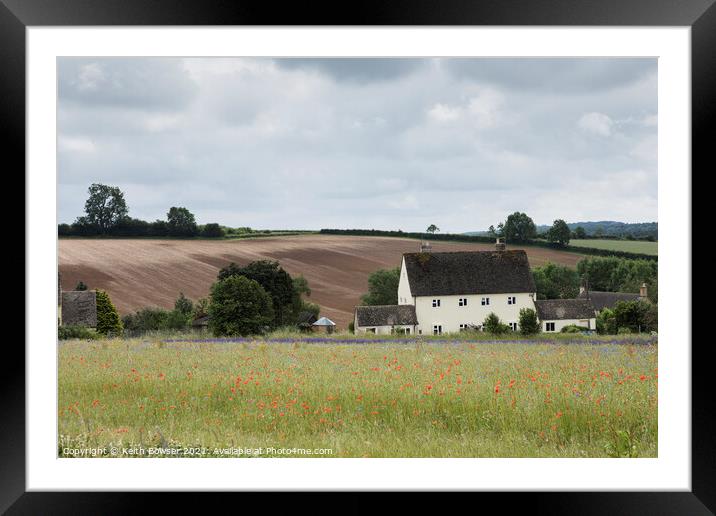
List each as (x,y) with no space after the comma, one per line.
(454,291)
(555,314)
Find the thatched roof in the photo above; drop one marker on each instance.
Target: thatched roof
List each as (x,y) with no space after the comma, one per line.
(602,300)
(560,309)
(386,315)
(469,272)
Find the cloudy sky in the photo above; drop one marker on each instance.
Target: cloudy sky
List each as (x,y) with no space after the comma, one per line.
(362,143)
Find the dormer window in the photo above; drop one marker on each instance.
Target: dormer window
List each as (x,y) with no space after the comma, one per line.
(462,301)
(436,303)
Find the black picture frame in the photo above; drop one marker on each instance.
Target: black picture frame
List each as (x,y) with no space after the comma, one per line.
(700,15)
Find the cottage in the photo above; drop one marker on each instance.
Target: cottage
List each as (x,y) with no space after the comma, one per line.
(385,319)
(602,300)
(454,291)
(555,314)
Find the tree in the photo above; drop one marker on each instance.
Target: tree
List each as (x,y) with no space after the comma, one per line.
(556,282)
(108,322)
(239,306)
(275,281)
(81,286)
(212,230)
(492,324)
(105,207)
(606,323)
(382,287)
(201,308)
(528,322)
(634,315)
(579,233)
(183,305)
(180,222)
(519,228)
(496,232)
(432,228)
(559,232)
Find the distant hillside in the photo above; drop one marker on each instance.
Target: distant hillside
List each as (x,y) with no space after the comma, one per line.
(605,228)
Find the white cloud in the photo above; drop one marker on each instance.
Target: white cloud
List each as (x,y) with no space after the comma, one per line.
(444,113)
(597,123)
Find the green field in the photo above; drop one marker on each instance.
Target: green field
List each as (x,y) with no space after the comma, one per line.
(630,246)
(591,398)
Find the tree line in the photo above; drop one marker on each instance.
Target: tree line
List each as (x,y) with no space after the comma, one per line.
(107,214)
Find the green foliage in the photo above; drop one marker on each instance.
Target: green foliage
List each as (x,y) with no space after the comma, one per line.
(108,322)
(432,228)
(636,316)
(556,282)
(76,332)
(276,282)
(614,274)
(155,319)
(579,232)
(212,230)
(528,323)
(519,228)
(606,322)
(559,233)
(352,327)
(201,308)
(382,287)
(183,305)
(573,328)
(492,324)
(105,207)
(181,222)
(239,306)
(80,286)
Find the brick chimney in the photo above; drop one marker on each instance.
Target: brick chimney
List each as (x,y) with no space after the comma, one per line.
(642,292)
(500,244)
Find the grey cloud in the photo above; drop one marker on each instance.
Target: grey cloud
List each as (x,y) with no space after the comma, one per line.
(145,83)
(387,145)
(554,75)
(355,69)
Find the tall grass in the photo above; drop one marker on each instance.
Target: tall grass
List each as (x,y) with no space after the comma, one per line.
(385,399)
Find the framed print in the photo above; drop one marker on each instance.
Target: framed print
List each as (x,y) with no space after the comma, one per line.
(417,250)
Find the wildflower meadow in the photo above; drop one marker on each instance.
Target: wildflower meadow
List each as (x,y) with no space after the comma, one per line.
(333,397)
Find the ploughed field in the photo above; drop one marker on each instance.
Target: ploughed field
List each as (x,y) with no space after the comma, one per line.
(138,273)
(591,397)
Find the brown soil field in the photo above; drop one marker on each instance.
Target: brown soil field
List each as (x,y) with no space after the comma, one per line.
(138,273)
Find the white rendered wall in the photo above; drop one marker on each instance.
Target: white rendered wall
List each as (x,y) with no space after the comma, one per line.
(450,315)
(559,324)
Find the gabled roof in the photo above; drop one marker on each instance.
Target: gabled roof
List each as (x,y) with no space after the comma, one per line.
(386,315)
(324,321)
(560,309)
(602,300)
(469,272)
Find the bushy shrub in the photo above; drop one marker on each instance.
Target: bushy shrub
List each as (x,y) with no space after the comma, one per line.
(352,327)
(76,332)
(606,323)
(212,230)
(239,306)
(108,322)
(528,322)
(492,324)
(573,328)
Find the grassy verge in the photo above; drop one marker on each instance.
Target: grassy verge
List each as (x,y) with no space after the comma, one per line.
(415,398)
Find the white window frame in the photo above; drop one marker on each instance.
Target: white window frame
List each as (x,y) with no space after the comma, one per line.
(436,303)
(547,325)
(437,329)
(513,326)
(511,300)
(462,301)
(485,301)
